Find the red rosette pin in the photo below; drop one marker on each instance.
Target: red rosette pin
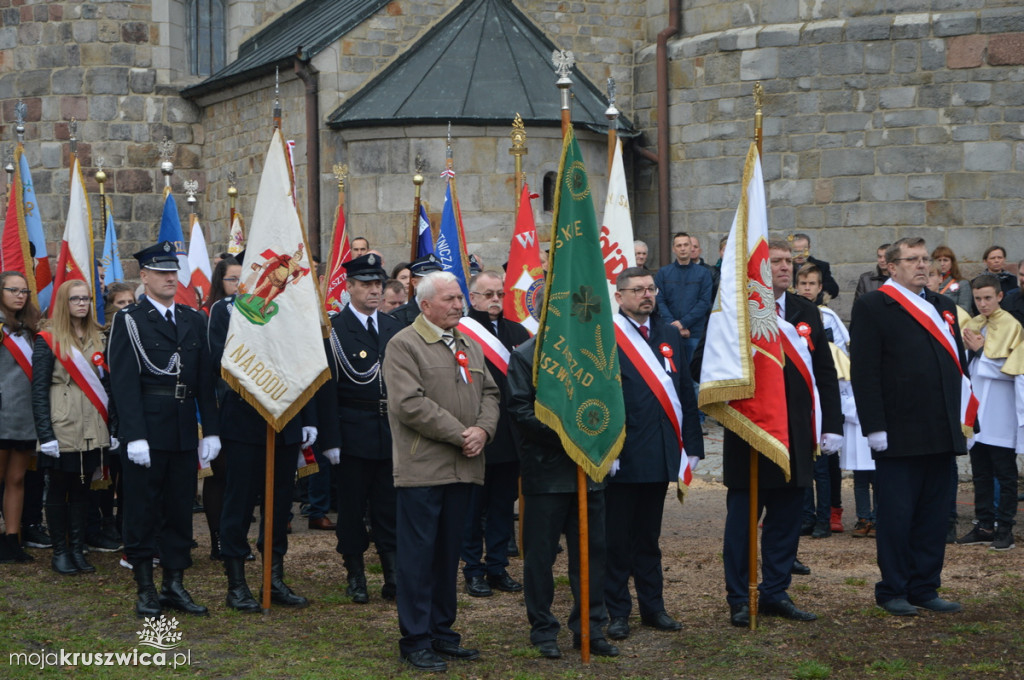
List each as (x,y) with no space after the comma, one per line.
(97,360)
(666,351)
(805,332)
(463,360)
(950,319)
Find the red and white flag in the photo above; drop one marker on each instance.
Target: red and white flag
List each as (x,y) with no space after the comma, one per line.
(236,239)
(524,277)
(617,229)
(76,252)
(741,378)
(335,283)
(199,264)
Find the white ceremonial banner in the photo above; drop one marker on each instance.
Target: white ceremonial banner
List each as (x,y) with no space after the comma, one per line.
(617,226)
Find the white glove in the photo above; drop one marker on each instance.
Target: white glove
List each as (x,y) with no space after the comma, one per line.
(694,461)
(51,448)
(209,448)
(138,452)
(308,436)
(878,441)
(614,468)
(333,455)
(114,443)
(831,442)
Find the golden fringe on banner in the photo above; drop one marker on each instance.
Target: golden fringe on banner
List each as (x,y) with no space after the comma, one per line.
(296,406)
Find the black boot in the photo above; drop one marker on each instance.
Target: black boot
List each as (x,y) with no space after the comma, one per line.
(174,595)
(280,593)
(78,516)
(215,545)
(388,563)
(356,578)
(17,552)
(239,596)
(6,556)
(57,519)
(148,604)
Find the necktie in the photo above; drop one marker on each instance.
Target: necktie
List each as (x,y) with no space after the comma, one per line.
(169,317)
(371,329)
(645,331)
(778,309)
(449,340)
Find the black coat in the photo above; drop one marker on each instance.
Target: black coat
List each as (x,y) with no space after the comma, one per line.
(240,422)
(736,452)
(904,382)
(167,423)
(360,427)
(828,284)
(1013,302)
(651,451)
(544,466)
(407,313)
(502,448)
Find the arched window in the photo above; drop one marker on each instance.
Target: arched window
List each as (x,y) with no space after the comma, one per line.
(549,191)
(206,36)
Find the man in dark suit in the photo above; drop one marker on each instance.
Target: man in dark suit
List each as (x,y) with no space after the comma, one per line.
(489,522)
(160,368)
(781,500)
(419,268)
(802,255)
(245,448)
(650,457)
(907,385)
(364,470)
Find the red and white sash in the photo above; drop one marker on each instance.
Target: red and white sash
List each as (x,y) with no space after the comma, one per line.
(82,372)
(797,347)
(20,349)
(927,315)
(494,351)
(658,381)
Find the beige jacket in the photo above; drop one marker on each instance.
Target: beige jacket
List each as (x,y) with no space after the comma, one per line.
(429,406)
(77,424)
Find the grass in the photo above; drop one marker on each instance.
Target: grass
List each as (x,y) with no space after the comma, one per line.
(853,581)
(812,670)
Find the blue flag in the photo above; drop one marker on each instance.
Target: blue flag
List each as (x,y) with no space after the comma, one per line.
(448,249)
(111,255)
(170,230)
(425,240)
(34,229)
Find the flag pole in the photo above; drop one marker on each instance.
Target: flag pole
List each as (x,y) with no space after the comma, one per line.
(612,114)
(449,162)
(754,455)
(340,171)
(417,181)
(101,179)
(518,150)
(563,62)
(232,195)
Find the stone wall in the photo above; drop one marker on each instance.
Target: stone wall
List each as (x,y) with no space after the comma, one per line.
(876,127)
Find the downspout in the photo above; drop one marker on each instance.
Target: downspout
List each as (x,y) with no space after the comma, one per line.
(308,75)
(664,155)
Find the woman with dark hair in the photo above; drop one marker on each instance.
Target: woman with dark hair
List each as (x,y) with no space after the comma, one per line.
(69,403)
(401,272)
(223,281)
(19,320)
(953,285)
(116,297)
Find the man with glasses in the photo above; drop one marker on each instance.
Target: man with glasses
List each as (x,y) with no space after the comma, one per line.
(489,522)
(907,366)
(650,357)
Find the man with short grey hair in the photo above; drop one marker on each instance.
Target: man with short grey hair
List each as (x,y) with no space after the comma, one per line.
(640,251)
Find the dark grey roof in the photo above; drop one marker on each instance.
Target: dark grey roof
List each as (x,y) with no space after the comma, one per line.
(482,63)
(312,25)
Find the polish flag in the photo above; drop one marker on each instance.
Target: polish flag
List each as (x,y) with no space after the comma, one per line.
(75,260)
(199,264)
(617,229)
(524,278)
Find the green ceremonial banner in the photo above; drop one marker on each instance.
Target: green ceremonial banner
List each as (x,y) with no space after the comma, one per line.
(576,365)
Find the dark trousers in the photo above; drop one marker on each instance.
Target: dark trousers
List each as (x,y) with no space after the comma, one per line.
(633,527)
(545,518)
(213,493)
(430,524)
(818,501)
(244,484)
(318,486)
(780,535)
(988,464)
(912,495)
(32,509)
(490,521)
(362,481)
(835,478)
(863,499)
(157,507)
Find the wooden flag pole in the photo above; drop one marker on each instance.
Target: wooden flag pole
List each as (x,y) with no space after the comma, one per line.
(612,114)
(417,181)
(518,150)
(754,455)
(340,171)
(268,517)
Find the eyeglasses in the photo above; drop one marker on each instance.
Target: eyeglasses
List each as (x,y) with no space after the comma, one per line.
(230,279)
(18,291)
(490,294)
(80,299)
(920,259)
(640,290)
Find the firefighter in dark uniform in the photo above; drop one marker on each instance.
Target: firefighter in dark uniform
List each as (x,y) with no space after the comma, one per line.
(359,335)
(419,268)
(159,370)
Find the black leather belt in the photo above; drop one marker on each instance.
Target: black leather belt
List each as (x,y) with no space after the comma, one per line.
(379,406)
(179,391)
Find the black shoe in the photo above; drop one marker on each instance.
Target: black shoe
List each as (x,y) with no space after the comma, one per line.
(937,604)
(821,530)
(477,586)
(174,595)
(78,519)
(357,589)
(389,567)
(280,593)
(661,621)
(548,649)
(898,607)
(951,532)
(807,528)
(239,596)
(102,543)
(454,651)
(787,610)
(739,615)
(148,604)
(425,660)
(35,536)
(799,568)
(1003,539)
(513,551)
(598,647)
(978,535)
(504,583)
(618,628)
(14,547)
(215,545)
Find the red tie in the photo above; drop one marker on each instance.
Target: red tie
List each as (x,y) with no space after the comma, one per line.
(778,309)
(644,331)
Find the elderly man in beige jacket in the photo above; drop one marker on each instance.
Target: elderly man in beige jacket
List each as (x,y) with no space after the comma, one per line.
(443,409)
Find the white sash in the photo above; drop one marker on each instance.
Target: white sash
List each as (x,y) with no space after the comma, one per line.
(88,371)
(803,355)
(20,349)
(664,387)
(494,351)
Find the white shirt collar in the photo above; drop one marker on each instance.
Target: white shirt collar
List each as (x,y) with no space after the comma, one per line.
(781,301)
(161,308)
(363,317)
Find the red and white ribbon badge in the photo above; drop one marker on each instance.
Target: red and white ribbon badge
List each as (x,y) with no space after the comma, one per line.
(666,352)
(948,316)
(97,360)
(805,332)
(463,360)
